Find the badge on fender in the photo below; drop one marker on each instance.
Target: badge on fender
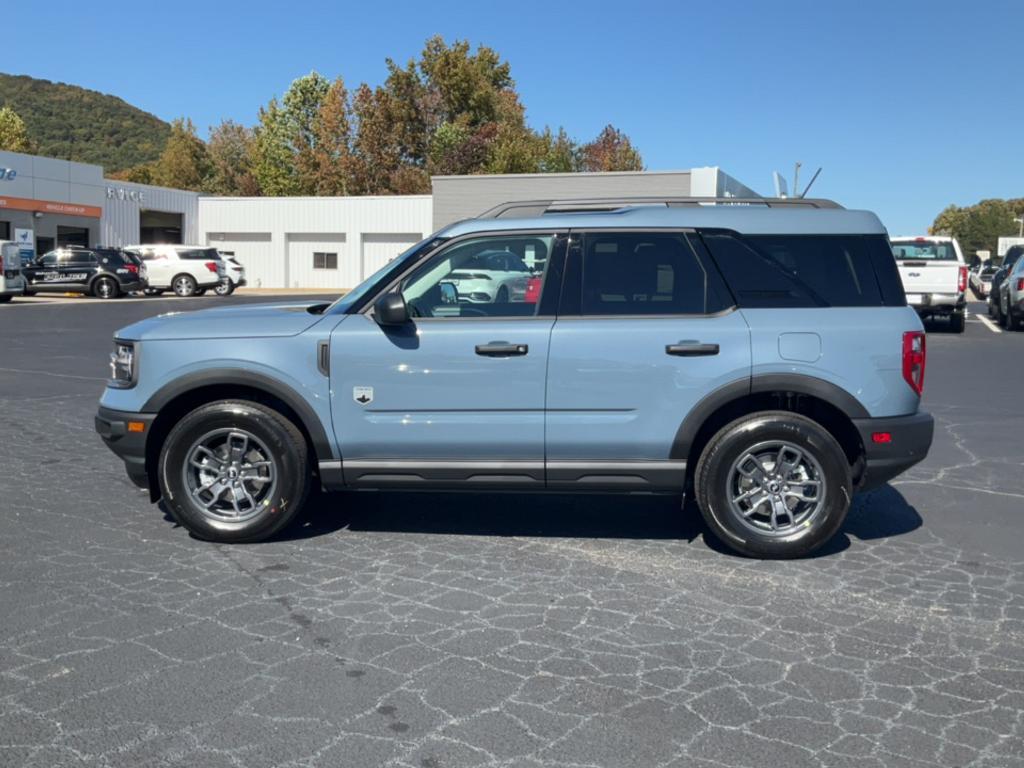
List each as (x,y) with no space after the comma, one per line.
(362,395)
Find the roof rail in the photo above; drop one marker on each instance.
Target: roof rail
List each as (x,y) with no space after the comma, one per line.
(528,208)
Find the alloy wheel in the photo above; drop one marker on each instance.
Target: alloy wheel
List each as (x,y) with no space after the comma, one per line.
(230,475)
(776,487)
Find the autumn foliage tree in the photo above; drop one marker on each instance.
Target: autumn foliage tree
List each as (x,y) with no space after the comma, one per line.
(979,227)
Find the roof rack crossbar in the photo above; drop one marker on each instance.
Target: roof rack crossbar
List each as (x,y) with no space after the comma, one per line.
(527,208)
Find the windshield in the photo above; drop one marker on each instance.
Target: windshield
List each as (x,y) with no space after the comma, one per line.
(924,250)
(357,294)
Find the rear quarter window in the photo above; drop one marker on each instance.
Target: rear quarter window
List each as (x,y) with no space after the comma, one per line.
(767,271)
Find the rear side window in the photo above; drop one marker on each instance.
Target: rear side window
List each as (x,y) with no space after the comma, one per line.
(646,273)
(199,254)
(807,270)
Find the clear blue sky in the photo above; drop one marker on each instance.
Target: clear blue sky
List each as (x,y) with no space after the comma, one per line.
(908,106)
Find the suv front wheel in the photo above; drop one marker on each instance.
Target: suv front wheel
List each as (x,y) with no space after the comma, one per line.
(773,484)
(234,471)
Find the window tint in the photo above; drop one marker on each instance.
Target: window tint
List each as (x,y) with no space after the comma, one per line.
(920,249)
(807,270)
(495,276)
(199,254)
(646,273)
(325,260)
(48,259)
(79,258)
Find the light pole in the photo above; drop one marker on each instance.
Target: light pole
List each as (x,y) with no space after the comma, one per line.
(1021,222)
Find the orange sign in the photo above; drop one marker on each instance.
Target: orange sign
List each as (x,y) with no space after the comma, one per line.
(49,206)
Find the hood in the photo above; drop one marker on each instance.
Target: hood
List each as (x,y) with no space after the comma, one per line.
(246,321)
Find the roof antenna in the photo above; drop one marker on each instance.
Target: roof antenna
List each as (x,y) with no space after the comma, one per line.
(813,179)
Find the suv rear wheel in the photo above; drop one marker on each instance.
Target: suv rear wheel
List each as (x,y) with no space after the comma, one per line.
(234,471)
(184,285)
(105,288)
(774,485)
(957,322)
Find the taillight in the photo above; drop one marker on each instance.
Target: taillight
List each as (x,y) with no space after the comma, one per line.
(1020,281)
(212,266)
(914,354)
(962,282)
(1,262)
(132,268)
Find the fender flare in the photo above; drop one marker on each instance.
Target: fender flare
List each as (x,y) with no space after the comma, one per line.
(768,382)
(245,378)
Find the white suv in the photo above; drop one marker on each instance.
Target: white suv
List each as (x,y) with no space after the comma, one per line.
(185,269)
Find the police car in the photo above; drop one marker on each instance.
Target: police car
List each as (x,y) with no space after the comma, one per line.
(105,273)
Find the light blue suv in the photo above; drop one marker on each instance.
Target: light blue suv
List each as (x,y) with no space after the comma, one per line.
(761,355)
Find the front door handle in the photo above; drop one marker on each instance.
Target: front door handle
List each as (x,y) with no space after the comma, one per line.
(501,349)
(691,349)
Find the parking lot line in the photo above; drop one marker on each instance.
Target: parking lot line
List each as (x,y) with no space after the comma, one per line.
(989,324)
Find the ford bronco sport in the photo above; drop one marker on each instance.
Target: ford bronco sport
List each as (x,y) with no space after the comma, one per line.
(761,354)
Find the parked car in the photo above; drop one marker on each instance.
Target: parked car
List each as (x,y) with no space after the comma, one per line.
(995,306)
(105,273)
(1011,297)
(496,276)
(762,356)
(184,269)
(234,274)
(981,279)
(934,277)
(12,282)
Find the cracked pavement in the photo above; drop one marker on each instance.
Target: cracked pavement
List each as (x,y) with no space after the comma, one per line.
(434,631)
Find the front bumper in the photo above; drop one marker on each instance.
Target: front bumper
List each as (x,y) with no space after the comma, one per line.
(910,439)
(128,445)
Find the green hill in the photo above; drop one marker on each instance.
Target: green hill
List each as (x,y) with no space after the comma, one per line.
(75,123)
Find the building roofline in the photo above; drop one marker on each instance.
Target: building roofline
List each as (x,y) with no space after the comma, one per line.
(232,198)
(568,175)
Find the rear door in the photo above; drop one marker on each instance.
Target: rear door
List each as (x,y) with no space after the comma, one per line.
(645,330)
(927,267)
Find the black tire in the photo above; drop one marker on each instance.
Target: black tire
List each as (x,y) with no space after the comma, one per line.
(1013,322)
(152,291)
(106,288)
(6,298)
(28,293)
(184,285)
(502,296)
(224,288)
(715,473)
(200,292)
(285,447)
(957,322)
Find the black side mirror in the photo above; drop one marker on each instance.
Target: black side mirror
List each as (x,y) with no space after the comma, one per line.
(390,309)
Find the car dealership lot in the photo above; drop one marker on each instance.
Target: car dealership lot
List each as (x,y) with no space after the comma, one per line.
(433,630)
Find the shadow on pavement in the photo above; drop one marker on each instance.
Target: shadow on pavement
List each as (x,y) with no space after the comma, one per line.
(880,514)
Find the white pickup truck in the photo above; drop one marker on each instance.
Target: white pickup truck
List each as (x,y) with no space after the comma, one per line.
(934,276)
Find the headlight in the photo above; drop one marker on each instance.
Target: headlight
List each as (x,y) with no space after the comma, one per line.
(122,365)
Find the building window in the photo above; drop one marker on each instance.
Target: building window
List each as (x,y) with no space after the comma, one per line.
(325,260)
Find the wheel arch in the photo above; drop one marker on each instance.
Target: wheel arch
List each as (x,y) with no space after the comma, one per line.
(183,395)
(826,403)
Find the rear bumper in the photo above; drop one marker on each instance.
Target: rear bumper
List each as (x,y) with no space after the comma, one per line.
(129,446)
(940,303)
(911,437)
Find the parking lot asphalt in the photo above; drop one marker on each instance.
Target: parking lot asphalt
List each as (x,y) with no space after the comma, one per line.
(442,630)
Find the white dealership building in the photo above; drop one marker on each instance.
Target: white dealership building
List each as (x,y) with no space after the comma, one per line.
(328,243)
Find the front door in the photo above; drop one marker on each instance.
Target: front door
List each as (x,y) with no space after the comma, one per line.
(645,332)
(456,394)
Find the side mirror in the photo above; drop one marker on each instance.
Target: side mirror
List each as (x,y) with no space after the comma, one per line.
(390,309)
(449,293)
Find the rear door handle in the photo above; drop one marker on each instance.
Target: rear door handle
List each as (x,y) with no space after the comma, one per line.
(501,349)
(691,349)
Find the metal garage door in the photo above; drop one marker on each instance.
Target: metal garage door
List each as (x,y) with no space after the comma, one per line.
(321,260)
(263,268)
(381,247)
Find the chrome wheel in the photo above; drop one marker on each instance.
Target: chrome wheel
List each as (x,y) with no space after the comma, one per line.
(229,475)
(106,288)
(184,286)
(224,288)
(776,487)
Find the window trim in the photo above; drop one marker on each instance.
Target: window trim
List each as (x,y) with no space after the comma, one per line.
(543,308)
(574,274)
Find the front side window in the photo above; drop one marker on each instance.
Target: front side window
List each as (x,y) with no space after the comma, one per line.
(325,260)
(493,276)
(79,258)
(645,273)
(48,259)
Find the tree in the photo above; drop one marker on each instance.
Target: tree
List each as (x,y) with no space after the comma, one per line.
(273,158)
(332,163)
(13,133)
(185,162)
(140,174)
(231,148)
(610,151)
(979,227)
